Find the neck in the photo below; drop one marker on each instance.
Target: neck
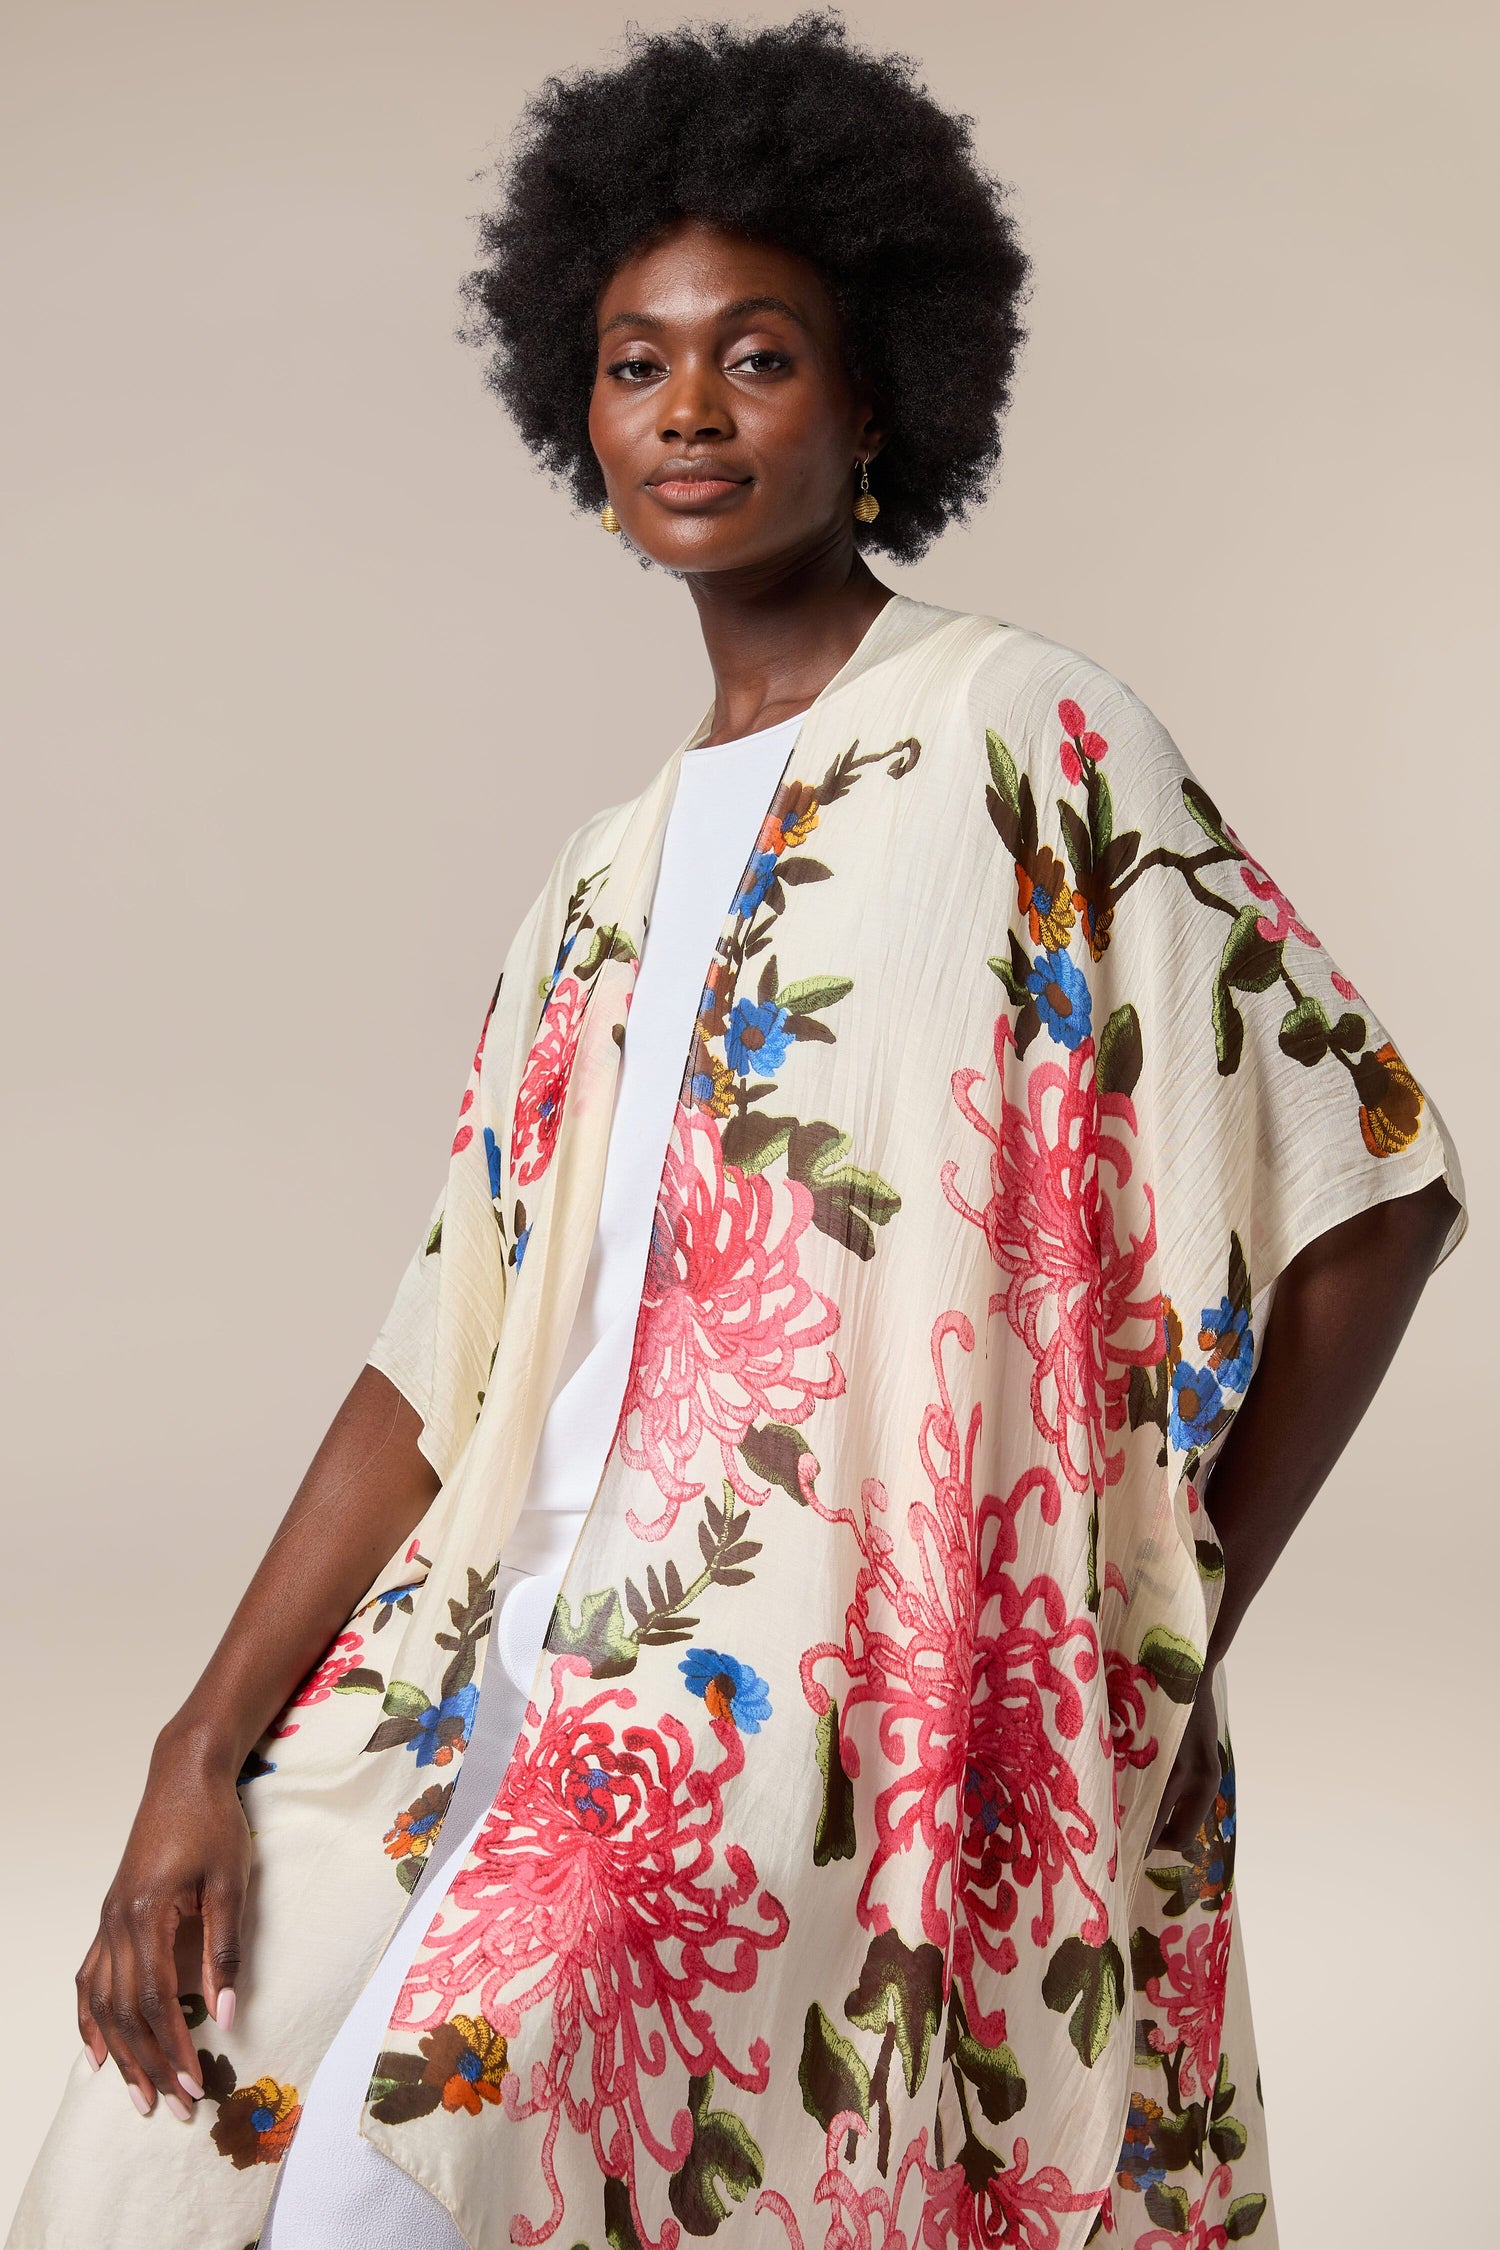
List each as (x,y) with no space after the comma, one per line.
(776,635)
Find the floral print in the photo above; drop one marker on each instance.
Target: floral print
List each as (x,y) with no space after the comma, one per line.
(817,1894)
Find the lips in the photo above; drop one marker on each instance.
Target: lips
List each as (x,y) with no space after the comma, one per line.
(693,484)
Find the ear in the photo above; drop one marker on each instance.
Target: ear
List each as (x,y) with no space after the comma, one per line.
(872,423)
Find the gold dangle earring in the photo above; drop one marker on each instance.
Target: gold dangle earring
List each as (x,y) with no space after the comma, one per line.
(608,518)
(866,506)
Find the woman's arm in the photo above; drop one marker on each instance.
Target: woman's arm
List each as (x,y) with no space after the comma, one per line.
(1340,1309)
(188,1853)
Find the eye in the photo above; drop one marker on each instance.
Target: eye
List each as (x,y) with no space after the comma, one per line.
(633,370)
(771,362)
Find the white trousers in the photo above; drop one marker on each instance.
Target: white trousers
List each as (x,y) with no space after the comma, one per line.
(335,2190)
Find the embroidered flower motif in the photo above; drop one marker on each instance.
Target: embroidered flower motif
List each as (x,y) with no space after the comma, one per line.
(1080,744)
(544,1082)
(980,2203)
(255,2124)
(465,2062)
(1045,898)
(713,1088)
(492,1159)
(442,1730)
(1224,1334)
(1061,992)
(1390,1102)
(1198,1411)
(416,1829)
(1078,1298)
(386,1604)
(757,1040)
(1191,1995)
(320,1683)
(730,1689)
(600,1895)
(1140,2165)
(1282,920)
(729,1330)
(979,1676)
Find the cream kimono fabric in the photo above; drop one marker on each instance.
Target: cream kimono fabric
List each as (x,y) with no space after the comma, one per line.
(814,1910)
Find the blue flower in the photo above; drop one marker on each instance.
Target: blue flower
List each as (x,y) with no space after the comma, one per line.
(1141,2166)
(492,1152)
(1197,1405)
(757,1038)
(521,1241)
(762,874)
(730,1689)
(1226,1336)
(1064,1003)
(437,1737)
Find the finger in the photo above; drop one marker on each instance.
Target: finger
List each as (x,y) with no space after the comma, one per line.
(145,1999)
(223,1902)
(88,2030)
(102,2008)
(1189,1811)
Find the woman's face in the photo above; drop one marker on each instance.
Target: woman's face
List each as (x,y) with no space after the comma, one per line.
(723,415)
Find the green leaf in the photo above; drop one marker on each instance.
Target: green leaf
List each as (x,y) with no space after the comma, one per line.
(1173,1663)
(1239,1275)
(1250,962)
(902,1986)
(1207,814)
(1244,2216)
(1228,2140)
(1015,986)
(1002,768)
(1210,1558)
(831,2073)
(1119,1056)
(773,1450)
(755,1140)
(1304,1032)
(619,2226)
(721,2167)
(403,1701)
(1348,1034)
(599,1634)
(434,1241)
(834,1835)
(1168,2207)
(1146,1957)
(812,993)
(1079,843)
(1101,811)
(993,2072)
(361,1681)
(1093,1976)
(1229,1030)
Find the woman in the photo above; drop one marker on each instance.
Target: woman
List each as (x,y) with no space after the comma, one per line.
(760,1759)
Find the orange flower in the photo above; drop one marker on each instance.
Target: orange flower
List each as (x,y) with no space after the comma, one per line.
(1390,1102)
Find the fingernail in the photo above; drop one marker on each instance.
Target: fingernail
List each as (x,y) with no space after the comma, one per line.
(224,2012)
(190,2086)
(178,2107)
(94,2062)
(140,2101)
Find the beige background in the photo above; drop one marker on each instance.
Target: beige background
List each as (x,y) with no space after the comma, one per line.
(307,675)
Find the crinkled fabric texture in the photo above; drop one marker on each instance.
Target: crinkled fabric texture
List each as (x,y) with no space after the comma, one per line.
(815,1907)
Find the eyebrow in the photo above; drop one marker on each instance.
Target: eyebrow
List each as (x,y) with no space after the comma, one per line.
(737,311)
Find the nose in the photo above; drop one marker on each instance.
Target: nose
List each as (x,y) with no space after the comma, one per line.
(693,403)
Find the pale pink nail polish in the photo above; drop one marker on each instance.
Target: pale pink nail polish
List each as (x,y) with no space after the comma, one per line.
(140,2101)
(178,2107)
(190,2086)
(224,2013)
(94,2062)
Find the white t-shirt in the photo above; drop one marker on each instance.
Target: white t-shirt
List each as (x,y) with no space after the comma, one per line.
(723,793)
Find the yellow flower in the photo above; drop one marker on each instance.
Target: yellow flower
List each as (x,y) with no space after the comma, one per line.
(1390,1102)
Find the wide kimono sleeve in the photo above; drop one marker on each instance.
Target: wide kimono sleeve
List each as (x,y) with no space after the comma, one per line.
(1269,1099)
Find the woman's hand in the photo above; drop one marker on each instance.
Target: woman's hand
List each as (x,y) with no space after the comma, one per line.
(1193,1782)
(187,1858)
(188,1854)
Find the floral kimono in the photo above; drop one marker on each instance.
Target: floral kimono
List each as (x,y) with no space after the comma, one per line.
(815,1909)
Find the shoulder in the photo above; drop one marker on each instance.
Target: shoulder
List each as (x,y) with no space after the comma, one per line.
(1040,696)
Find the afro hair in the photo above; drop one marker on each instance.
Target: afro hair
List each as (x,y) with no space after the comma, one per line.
(789,135)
